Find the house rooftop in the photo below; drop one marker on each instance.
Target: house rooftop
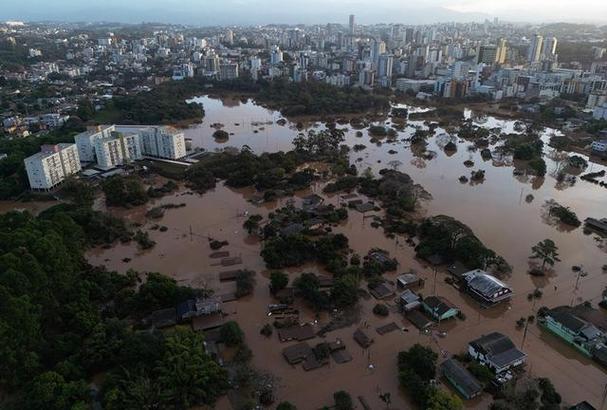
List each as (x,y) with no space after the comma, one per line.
(484,283)
(438,304)
(465,381)
(499,348)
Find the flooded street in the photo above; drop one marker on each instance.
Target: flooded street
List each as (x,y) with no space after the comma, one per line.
(498,210)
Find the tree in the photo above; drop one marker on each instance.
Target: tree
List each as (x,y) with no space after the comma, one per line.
(252,223)
(245,282)
(343,400)
(187,376)
(278,281)
(420,359)
(442,400)
(547,251)
(231,334)
(51,391)
(345,291)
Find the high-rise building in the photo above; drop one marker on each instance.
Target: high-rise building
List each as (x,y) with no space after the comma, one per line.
(535,49)
(117,149)
(228,71)
(229,36)
(549,48)
(85,141)
(351,25)
(377,48)
(275,55)
(162,142)
(487,54)
(384,69)
(502,51)
(409,35)
(49,167)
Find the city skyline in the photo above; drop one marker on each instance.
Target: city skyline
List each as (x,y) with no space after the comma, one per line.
(243,12)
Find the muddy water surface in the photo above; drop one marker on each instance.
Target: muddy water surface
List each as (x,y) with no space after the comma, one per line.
(497,209)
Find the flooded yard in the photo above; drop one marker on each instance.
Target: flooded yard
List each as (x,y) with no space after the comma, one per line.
(498,210)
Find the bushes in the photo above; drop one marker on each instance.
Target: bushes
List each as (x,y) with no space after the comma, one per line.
(231,334)
(381,310)
(124,191)
(343,401)
(245,282)
(345,183)
(295,250)
(538,166)
(314,97)
(345,291)
(453,241)
(278,281)
(417,367)
(221,135)
(164,104)
(565,215)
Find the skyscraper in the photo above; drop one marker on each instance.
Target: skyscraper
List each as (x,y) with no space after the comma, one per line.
(486,54)
(549,47)
(502,51)
(535,49)
(384,69)
(351,24)
(377,48)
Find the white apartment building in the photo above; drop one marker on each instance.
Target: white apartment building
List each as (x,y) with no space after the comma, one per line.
(52,165)
(163,142)
(117,149)
(85,141)
(115,145)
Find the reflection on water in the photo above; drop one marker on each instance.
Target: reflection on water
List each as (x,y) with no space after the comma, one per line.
(506,211)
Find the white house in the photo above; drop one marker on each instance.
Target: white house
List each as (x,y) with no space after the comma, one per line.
(497,352)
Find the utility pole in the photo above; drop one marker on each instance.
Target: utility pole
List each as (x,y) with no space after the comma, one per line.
(527,323)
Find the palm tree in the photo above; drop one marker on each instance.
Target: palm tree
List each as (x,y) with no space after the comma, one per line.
(547,251)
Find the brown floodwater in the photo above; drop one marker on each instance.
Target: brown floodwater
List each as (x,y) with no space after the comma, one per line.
(497,210)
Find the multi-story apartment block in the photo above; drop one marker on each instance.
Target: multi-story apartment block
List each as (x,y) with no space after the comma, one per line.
(117,149)
(86,141)
(163,142)
(115,145)
(52,165)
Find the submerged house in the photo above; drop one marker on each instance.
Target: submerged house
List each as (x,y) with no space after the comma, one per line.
(486,288)
(461,379)
(408,280)
(439,308)
(409,300)
(584,336)
(497,352)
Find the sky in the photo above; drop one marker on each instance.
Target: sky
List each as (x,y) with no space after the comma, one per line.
(228,12)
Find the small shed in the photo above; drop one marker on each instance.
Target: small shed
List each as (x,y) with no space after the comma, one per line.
(408,280)
(409,300)
(362,339)
(381,291)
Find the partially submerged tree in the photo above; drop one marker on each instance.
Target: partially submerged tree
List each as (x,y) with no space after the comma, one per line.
(547,252)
